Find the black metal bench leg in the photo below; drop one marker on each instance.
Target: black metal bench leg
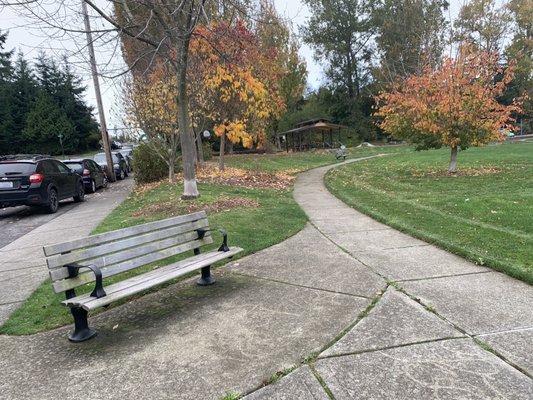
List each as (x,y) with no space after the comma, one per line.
(206,278)
(82,332)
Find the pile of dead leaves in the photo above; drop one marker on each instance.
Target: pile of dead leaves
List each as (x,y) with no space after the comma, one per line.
(245,178)
(147,187)
(210,173)
(179,207)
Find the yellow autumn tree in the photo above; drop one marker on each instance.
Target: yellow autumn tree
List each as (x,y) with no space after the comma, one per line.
(151,105)
(236,94)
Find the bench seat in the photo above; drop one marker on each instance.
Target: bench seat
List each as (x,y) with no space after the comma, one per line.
(150,279)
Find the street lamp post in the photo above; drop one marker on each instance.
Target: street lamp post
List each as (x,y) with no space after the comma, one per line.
(60,136)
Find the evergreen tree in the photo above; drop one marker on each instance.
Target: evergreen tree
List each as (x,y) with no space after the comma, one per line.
(6,77)
(24,93)
(6,70)
(37,104)
(78,112)
(45,122)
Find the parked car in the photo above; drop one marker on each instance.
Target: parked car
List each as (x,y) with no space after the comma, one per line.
(127,152)
(119,164)
(37,181)
(92,174)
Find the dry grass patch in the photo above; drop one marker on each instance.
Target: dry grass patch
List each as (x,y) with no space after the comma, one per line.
(463,171)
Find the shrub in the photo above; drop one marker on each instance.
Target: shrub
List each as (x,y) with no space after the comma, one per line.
(148,166)
(207,150)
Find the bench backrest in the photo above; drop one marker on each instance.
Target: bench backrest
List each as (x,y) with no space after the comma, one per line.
(125,249)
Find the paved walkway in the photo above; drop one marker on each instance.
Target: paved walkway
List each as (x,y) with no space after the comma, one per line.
(22,264)
(443,328)
(356,309)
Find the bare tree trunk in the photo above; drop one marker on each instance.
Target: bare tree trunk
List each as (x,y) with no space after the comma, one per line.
(199,148)
(171,172)
(222,150)
(452,169)
(190,189)
(171,158)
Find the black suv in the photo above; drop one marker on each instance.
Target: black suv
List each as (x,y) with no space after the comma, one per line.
(92,174)
(37,181)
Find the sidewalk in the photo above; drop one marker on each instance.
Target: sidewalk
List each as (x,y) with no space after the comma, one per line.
(452,330)
(357,309)
(22,263)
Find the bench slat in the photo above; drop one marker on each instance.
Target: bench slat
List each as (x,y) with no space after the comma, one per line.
(146,281)
(61,260)
(121,233)
(66,284)
(108,261)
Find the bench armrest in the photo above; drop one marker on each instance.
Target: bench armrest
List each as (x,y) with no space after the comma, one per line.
(224,246)
(98,291)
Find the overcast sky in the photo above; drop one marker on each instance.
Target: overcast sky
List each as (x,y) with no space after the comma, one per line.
(24,38)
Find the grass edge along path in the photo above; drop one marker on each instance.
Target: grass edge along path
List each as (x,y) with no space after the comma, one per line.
(416,204)
(277,218)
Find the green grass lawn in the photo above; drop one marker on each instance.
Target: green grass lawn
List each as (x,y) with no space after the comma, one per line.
(302,161)
(485,213)
(252,228)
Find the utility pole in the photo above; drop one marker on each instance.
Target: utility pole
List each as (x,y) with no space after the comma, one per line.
(94,71)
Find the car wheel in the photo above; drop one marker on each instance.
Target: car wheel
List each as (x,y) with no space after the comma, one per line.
(53,202)
(93,186)
(104,182)
(80,196)
(122,175)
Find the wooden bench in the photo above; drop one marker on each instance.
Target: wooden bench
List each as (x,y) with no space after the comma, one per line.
(97,257)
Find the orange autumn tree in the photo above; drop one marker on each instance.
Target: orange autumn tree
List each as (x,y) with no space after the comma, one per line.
(237,90)
(454,105)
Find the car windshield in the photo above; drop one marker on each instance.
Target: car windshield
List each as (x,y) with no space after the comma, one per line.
(76,167)
(7,169)
(100,158)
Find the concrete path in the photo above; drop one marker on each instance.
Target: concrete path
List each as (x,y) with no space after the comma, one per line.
(444,328)
(22,264)
(353,308)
